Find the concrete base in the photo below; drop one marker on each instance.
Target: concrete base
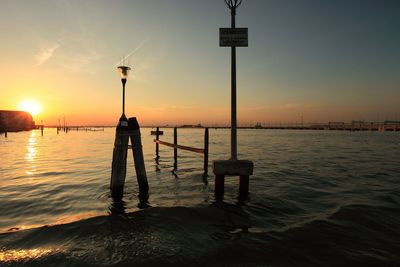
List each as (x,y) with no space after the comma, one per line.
(241,168)
(233,167)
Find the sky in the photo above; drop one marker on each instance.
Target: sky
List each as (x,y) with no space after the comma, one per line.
(315,60)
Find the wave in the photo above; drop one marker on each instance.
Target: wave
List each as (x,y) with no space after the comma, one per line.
(219,234)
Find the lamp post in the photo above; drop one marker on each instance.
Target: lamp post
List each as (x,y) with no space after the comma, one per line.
(118,169)
(123,71)
(232,5)
(127,129)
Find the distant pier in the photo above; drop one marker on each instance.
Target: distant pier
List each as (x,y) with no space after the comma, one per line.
(336,126)
(333,126)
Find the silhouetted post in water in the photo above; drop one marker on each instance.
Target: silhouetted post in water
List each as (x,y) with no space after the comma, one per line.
(233,37)
(206,138)
(175,149)
(118,170)
(5,134)
(134,133)
(41,129)
(157,146)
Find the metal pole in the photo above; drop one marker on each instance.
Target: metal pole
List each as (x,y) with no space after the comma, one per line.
(123,96)
(233,93)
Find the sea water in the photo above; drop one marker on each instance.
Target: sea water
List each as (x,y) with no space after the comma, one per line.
(317,198)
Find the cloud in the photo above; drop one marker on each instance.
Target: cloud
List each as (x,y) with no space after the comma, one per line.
(80,60)
(46,53)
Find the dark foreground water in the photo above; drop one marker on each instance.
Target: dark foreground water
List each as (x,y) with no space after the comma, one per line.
(318,198)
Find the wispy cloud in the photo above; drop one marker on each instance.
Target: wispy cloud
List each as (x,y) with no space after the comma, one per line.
(81,60)
(46,53)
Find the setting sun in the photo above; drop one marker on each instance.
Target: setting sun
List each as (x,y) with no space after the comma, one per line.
(33,107)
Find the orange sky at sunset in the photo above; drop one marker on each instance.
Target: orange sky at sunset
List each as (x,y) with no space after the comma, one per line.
(301,62)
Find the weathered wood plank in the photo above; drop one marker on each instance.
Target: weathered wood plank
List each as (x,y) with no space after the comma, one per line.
(193,149)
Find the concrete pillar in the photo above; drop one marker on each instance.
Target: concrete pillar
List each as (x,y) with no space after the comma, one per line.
(241,168)
(219,185)
(243,185)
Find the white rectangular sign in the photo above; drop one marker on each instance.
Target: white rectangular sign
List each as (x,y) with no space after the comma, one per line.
(233,37)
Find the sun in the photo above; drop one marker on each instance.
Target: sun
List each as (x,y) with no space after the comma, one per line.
(31,106)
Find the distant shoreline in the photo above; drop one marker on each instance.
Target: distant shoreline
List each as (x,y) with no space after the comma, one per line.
(373,126)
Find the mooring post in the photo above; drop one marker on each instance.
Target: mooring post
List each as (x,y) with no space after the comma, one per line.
(206,137)
(134,133)
(157,138)
(118,169)
(41,129)
(175,149)
(58,129)
(5,134)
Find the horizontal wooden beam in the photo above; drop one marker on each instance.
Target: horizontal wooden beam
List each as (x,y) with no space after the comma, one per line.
(188,148)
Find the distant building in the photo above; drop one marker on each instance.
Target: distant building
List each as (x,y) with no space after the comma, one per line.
(14,121)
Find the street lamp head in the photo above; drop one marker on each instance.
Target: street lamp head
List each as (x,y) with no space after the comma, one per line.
(123,71)
(233,4)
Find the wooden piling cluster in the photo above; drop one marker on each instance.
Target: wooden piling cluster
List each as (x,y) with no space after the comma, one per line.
(176,146)
(127,130)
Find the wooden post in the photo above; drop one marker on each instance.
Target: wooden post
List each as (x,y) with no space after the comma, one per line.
(206,138)
(219,185)
(134,132)
(41,129)
(175,149)
(118,170)
(243,185)
(58,129)
(157,138)
(5,134)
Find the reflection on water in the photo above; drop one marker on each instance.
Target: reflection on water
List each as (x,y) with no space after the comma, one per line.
(18,255)
(31,147)
(31,154)
(118,206)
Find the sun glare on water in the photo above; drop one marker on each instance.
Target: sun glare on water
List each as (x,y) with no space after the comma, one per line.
(31,106)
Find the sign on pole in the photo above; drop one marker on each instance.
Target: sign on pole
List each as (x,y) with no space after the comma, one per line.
(233,37)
